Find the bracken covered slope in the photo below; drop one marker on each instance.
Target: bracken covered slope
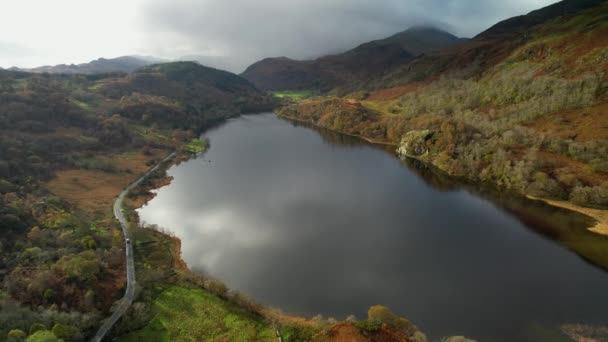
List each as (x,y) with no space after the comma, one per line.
(523,105)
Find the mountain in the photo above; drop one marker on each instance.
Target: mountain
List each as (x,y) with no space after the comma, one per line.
(99,66)
(521,105)
(202,94)
(418,40)
(86,137)
(218,62)
(520,24)
(282,73)
(490,47)
(369,59)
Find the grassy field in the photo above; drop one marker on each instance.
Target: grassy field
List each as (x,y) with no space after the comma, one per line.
(84,105)
(191,314)
(294,95)
(94,190)
(197,146)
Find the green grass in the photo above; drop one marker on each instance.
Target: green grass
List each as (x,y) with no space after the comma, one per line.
(98,85)
(382,106)
(191,314)
(197,146)
(19,84)
(83,105)
(298,333)
(294,95)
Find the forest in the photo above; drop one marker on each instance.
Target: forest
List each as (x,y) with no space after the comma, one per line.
(62,258)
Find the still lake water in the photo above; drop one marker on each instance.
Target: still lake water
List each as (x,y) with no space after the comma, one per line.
(311,222)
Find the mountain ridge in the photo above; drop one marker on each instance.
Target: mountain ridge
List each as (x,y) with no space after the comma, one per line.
(523,109)
(363,61)
(98,66)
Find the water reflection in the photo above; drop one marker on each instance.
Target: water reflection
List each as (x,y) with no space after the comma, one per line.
(315,222)
(558,224)
(564,226)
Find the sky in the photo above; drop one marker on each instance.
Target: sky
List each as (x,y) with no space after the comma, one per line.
(228,34)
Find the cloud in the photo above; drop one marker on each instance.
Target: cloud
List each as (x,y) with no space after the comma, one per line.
(10,51)
(229,34)
(13,50)
(238,32)
(68,31)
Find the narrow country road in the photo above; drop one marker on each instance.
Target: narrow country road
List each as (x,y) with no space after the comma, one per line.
(127,299)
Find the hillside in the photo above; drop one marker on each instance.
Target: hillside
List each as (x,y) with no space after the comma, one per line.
(522,106)
(520,24)
(489,48)
(418,40)
(184,94)
(365,61)
(68,145)
(98,66)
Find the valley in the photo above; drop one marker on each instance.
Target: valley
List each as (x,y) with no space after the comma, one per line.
(462,183)
(517,124)
(388,250)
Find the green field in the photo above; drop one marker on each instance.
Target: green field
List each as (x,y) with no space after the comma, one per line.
(294,95)
(83,105)
(197,146)
(192,314)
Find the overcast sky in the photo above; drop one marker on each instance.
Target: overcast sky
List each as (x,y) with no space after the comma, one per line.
(231,34)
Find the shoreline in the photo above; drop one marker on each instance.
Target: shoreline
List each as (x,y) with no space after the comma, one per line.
(276,315)
(371,141)
(599,215)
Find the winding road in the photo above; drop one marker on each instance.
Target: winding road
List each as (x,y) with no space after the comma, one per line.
(127,299)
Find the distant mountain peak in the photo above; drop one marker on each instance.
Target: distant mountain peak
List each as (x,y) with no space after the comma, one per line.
(424,27)
(372,58)
(516,25)
(418,39)
(98,66)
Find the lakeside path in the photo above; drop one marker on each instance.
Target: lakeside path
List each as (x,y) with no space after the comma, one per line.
(127,299)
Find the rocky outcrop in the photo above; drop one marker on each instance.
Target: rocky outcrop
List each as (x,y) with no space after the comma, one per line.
(414,144)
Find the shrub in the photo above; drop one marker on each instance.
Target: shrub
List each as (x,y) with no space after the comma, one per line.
(600,165)
(382,314)
(596,196)
(82,267)
(32,253)
(245,302)
(298,333)
(6,186)
(544,186)
(419,337)
(16,335)
(456,339)
(49,295)
(66,332)
(43,336)
(368,326)
(217,287)
(36,327)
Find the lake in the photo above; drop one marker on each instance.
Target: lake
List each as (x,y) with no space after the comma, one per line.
(314,222)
